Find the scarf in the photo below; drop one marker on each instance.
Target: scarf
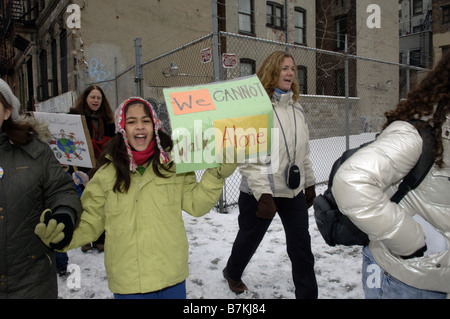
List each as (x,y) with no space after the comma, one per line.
(143,156)
(137,157)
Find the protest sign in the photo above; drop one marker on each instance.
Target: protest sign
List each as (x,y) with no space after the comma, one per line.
(70,140)
(206,118)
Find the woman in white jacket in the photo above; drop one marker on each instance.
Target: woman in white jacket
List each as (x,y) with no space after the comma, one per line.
(265,189)
(408,255)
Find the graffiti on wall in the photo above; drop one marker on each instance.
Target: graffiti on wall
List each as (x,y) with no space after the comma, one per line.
(98,73)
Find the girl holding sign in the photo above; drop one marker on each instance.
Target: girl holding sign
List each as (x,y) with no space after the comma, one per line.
(137,199)
(289,190)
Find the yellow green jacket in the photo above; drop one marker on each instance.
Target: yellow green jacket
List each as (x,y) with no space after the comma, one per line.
(146,247)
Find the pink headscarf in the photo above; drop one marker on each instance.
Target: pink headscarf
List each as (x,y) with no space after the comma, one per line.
(120,128)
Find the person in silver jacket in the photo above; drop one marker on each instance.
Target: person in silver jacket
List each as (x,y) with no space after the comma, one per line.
(408,255)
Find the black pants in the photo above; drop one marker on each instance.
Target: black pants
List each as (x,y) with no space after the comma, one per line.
(294,216)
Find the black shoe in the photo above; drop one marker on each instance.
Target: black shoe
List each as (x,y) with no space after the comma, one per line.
(62,271)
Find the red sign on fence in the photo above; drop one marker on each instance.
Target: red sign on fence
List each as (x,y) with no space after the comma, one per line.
(206,55)
(229,60)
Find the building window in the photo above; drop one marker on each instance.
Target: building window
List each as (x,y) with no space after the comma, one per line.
(274,15)
(417,29)
(417,7)
(445,14)
(300,26)
(41,5)
(247,67)
(302,79)
(341,31)
(246,17)
(445,49)
(414,58)
(54,68)
(63,61)
(43,87)
(339,86)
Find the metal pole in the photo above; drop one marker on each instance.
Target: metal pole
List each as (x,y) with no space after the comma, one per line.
(85,79)
(138,66)
(408,79)
(347,101)
(286,5)
(216,60)
(115,82)
(216,44)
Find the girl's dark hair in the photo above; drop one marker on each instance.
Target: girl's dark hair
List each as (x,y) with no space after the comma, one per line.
(105,111)
(118,156)
(18,133)
(431,98)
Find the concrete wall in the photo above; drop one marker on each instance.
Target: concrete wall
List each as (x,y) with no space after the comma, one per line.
(377,83)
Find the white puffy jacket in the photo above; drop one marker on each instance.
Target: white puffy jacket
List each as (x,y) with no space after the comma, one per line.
(268,176)
(363,186)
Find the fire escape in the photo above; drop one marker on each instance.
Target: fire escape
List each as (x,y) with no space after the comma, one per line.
(17,19)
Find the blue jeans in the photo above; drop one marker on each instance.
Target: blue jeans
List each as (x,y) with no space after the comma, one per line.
(378,284)
(177,291)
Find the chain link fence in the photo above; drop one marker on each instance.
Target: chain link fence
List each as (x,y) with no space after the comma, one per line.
(344,96)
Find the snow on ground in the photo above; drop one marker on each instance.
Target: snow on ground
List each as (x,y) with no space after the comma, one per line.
(268,275)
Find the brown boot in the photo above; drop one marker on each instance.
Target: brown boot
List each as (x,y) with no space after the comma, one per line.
(237,286)
(100,247)
(86,248)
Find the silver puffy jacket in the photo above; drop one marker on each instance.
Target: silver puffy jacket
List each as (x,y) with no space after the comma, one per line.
(363,186)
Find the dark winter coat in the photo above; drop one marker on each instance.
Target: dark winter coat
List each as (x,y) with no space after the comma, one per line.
(32,181)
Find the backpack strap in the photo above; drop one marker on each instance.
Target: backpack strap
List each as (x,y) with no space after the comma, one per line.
(423,165)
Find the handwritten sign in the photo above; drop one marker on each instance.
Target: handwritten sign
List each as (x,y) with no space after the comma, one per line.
(206,118)
(70,138)
(192,102)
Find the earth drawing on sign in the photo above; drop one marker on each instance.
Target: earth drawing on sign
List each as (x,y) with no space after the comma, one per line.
(67,145)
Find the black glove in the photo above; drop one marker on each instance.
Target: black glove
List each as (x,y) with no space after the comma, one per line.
(68,230)
(266,207)
(60,218)
(417,253)
(310,194)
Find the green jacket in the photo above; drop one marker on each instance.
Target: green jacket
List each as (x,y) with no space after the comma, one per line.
(146,247)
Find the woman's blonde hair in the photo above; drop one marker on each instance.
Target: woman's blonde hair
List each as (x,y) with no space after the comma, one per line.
(269,73)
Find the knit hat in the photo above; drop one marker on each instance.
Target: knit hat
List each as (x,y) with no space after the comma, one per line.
(11,99)
(120,128)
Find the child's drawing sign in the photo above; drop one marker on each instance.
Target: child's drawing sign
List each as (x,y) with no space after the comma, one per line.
(70,138)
